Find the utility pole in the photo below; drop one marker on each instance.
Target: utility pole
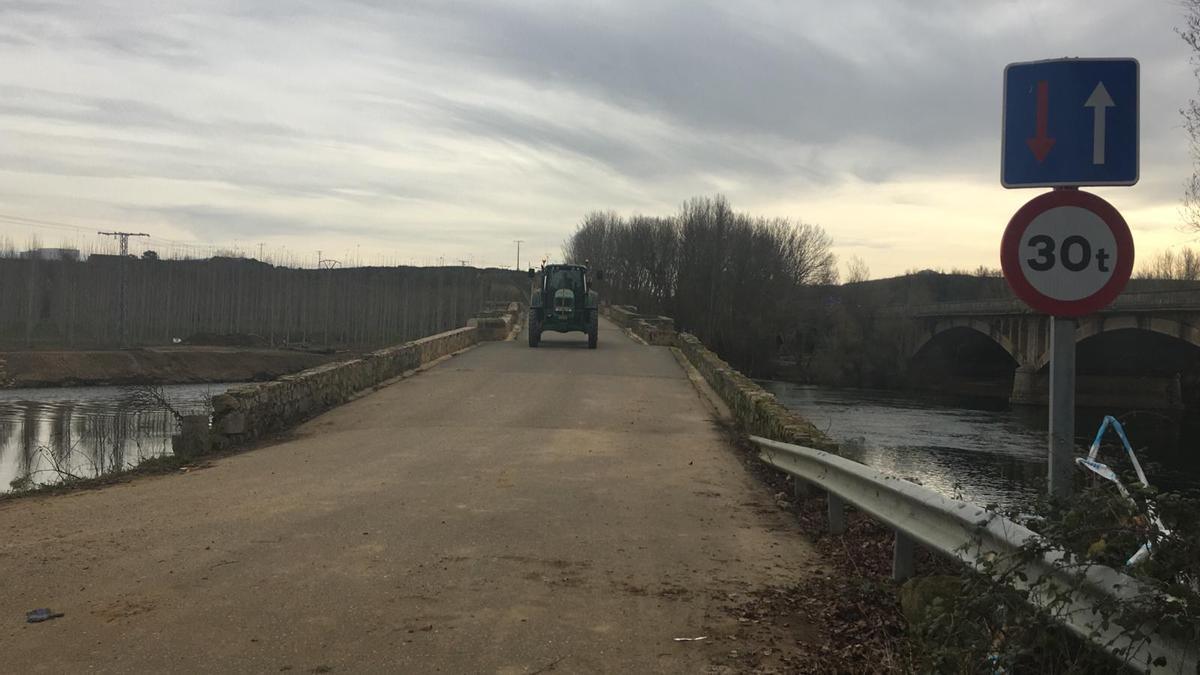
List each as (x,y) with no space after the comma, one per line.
(326,263)
(519,242)
(123,238)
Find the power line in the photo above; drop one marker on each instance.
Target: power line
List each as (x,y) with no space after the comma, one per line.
(123,237)
(35,222)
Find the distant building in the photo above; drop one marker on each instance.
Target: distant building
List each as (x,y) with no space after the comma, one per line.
(51,254)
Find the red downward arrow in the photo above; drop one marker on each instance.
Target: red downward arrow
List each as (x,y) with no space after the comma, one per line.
(1041,144)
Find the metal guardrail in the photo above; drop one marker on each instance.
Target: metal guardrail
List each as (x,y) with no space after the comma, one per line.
(971,534)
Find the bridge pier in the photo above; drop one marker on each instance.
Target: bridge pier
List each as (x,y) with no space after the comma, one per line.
(1028,388)
(1152,392)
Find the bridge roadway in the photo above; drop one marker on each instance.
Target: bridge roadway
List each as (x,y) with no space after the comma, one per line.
(510,510)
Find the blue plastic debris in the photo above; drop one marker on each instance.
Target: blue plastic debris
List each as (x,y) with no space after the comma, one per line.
(1101,469)
(40,615)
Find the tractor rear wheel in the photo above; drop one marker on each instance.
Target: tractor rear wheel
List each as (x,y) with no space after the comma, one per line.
(593,331)
(534,329)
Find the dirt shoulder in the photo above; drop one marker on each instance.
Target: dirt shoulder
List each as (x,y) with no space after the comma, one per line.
(161,365)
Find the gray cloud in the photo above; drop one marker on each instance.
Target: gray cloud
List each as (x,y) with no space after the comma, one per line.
(494,120)
(706,67)
(144,44)
(45,104)
(719,68)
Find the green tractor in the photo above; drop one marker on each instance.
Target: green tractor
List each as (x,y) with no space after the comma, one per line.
(563,301)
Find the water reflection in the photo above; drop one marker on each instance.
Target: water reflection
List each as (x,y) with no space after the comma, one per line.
(47,435)
(978,450)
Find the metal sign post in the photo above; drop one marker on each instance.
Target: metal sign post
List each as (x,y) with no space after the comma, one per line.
(1062,406)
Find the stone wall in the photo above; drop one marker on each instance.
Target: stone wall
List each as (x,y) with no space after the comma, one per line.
(754,410)
(622,315)
(656,330)
(246,413)
(652,329)
(497,323)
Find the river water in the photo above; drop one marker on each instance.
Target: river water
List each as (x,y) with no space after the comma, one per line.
(48,434)
(980,450)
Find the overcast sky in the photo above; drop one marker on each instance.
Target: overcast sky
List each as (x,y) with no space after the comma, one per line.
(413,131)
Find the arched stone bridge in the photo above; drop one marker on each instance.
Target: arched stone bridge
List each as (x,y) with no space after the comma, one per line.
(1025,335)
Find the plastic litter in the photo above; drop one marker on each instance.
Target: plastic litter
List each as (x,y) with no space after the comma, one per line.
(40,615)
(1101,469)
(695,639)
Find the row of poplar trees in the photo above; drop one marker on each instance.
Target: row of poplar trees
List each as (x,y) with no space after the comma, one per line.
(111,301)
(734,280)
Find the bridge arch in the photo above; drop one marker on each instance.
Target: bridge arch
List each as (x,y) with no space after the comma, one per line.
(963,356)
(1094,326)
(944,326)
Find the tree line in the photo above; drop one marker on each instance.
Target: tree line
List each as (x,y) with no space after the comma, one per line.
(110,301)
(1181,265)
(734,280)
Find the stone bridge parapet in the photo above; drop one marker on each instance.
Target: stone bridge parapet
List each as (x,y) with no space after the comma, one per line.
(652,329)
(496,323)
(246,413)
(754,409)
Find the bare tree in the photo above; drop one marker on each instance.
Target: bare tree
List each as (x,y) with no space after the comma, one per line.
(1191,115)
(857,270)
(732,278)
(1184,265)
(151,398)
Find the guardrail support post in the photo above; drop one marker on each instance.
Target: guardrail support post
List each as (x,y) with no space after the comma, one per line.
(1062,407)
(799,488)
(837,514)
(902,557)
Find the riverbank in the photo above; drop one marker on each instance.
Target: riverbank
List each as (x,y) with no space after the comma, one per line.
(152,365)
(986,451)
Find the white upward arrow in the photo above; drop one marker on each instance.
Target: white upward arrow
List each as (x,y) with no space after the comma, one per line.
(1099,102)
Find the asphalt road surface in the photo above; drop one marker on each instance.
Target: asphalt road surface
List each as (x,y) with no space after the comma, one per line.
(510,510)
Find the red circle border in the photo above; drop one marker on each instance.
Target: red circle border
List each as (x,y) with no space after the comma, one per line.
(1010,250)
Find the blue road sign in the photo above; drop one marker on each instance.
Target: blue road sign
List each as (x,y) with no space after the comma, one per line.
(1070,122)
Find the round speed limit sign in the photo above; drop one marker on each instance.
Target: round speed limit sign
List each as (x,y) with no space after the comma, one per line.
(1067,253)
